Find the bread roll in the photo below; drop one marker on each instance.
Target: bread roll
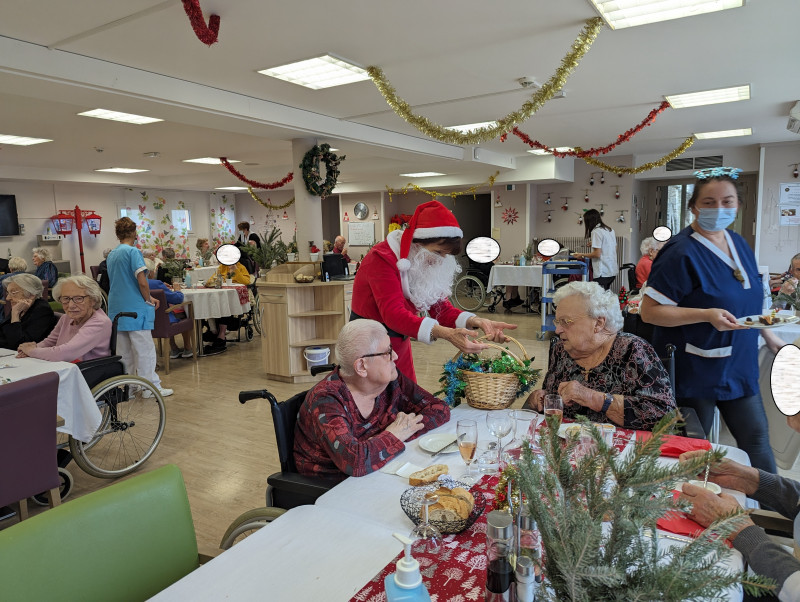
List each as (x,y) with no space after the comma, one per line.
(428,475)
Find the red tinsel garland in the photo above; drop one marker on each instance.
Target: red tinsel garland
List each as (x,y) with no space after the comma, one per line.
(253,183)
(594,152)
(206,34)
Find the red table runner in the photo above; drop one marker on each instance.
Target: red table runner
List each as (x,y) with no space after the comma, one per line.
(241,290)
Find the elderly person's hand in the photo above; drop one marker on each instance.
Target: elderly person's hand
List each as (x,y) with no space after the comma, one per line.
(24,348)
(574,392)
(405,425)
(729,474)
(492,329)
(708,507)
(535,400)
(19,308)
(789,286)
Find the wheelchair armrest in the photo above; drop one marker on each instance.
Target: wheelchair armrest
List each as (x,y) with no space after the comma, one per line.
(773,523)
(296,483)
(98,361)
(691,423)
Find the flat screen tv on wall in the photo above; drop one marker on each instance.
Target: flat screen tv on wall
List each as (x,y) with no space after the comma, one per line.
(9,221)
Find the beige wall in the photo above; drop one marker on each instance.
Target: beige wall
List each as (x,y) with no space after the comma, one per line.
(776,244)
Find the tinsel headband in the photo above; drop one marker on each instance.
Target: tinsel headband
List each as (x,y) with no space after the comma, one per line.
(717,172)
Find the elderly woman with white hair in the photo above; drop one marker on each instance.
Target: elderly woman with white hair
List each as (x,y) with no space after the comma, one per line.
(30,317)
(649,248)
(83,332)
(357,419)
(45,268)
(600,372)
(15,265)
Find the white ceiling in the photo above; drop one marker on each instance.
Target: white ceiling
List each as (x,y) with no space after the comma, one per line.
(454,61)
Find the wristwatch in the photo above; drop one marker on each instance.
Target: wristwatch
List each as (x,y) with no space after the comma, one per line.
(607,403)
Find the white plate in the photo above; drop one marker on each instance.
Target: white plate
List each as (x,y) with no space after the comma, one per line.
(433,442)
(785,320)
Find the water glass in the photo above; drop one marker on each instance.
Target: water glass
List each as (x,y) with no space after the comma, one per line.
(553,405)
(425,531)
(525,422)
(500,424)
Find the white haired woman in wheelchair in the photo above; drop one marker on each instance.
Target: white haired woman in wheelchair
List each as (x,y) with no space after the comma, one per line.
(83,332)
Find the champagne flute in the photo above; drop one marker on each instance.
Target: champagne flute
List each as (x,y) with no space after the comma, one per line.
(467,433)
(553,405)
(500,425)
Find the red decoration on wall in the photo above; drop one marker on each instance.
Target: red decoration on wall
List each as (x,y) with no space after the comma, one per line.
(510,215)
(253,183)
(206,34)
(602,150)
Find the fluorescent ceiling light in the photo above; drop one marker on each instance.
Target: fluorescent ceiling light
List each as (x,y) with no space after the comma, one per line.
(122,170)
(709,97)
(724,134)
(422,174)
(320,72)
(21,140)
(209,161)
(630,13)
(231,188)
(117,116)
(560,149)
(471,126)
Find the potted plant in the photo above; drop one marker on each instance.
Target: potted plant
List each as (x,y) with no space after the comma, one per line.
(528,253)
(273,250)
(291,250)
(313,251)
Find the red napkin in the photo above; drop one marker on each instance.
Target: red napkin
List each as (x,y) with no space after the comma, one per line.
(674,445)
(679,522)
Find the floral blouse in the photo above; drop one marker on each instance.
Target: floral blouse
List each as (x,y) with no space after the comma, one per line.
(631,369)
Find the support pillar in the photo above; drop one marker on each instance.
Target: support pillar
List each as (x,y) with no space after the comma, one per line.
(308,208)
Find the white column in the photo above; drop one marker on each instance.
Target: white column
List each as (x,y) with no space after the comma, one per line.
(308,208)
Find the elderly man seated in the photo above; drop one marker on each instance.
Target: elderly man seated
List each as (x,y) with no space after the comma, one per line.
(356,420)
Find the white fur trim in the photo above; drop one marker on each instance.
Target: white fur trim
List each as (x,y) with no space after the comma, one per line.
(439,232)
(425,329)
(403,265)
(461,320)
(393,238)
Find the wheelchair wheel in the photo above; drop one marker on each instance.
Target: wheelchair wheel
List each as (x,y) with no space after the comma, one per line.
(248,332)
(256,308)
(248,523)
(64,489)
(133,423)
(469,293)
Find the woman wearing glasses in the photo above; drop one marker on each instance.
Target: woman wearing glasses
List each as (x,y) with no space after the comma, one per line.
(600,372)
(83,332)
(29,318)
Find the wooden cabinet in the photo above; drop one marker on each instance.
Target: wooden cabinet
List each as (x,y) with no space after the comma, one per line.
(295,316)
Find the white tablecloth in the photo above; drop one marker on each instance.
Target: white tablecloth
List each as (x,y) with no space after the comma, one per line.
(199,275)
(215,302)
(525,275)
(76,405)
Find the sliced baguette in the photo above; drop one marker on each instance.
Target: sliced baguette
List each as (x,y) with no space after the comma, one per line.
(427,475)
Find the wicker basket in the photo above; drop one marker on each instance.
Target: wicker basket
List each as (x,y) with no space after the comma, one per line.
(487,391)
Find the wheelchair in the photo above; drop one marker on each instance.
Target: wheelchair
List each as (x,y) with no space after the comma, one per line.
(131,427)
(469,291)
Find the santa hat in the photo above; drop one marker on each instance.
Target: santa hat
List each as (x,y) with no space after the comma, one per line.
(430,220)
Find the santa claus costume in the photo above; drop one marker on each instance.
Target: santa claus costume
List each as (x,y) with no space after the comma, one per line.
(381,287)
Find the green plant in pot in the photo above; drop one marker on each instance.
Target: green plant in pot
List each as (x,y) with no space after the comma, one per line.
(597,518)
(528,253)
(272,249)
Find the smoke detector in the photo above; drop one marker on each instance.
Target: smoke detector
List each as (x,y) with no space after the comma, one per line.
(528,82)
(152,155)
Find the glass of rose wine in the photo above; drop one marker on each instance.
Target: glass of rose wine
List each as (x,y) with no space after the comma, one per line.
(467,433)
(553,405)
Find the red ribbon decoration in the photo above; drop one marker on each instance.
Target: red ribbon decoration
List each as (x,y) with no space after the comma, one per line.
(253,183)
(206,34)
(602,150)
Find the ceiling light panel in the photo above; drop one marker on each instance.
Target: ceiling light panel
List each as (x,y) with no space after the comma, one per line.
(422,174)
(560,149)
(122,170)
(630,13)
(320,72)
(724,134)
(21,140)
(471,126)
(117,116)
(231,188)
(709,97)
(209,161)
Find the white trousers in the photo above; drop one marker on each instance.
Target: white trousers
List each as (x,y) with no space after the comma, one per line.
(138,353)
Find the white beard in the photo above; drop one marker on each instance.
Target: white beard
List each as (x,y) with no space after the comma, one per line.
(430,278)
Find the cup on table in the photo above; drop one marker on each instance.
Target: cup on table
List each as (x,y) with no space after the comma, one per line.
(553,405)
(229,282)
(607,431)
(176,284)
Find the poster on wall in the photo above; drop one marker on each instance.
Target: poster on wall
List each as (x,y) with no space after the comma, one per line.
(789,204)
(360,234)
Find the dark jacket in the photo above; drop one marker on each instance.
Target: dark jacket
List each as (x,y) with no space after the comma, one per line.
(34,326)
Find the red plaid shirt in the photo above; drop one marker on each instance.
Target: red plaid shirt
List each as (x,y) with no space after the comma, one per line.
(331,436)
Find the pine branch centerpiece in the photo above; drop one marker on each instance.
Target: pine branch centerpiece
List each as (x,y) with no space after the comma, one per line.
(597,519)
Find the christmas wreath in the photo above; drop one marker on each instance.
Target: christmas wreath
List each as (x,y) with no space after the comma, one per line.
(311,175)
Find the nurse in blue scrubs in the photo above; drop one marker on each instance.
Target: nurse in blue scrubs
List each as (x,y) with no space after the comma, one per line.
(703,279)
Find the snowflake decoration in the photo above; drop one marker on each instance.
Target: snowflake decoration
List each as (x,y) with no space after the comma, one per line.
(510,215)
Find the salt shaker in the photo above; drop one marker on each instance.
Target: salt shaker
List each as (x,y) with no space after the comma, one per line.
(525,578)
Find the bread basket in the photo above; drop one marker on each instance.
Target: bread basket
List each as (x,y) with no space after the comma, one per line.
(411,503)
(489,391)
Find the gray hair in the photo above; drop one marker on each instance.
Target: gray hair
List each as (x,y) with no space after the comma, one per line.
(43,253)
(105,253)
(599,303)
(148,253)
(168,253)
(151,266)
(17,264)
(649,244)
(28,283)
(89,286)
(356,339)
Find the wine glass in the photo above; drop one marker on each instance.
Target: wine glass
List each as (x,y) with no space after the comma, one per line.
(553,405)
(430,535)
(467,433)
(525,422)
(500,424)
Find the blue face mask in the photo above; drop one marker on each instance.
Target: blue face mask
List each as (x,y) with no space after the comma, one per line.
(716,219)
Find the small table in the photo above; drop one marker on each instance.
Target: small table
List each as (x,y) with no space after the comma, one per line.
(214,303)
(518,275)
(199,275)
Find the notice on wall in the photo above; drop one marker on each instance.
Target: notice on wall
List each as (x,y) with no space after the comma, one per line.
(789,204)
(360,234)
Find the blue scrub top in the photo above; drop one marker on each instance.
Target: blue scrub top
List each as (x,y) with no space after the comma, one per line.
(124,263)
(709,364)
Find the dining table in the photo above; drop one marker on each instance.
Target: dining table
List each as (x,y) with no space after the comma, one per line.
(75,404)
(199,275)
(337,548)
(529,276)
(229,300)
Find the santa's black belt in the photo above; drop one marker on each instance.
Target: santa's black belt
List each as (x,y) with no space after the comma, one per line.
(389,331)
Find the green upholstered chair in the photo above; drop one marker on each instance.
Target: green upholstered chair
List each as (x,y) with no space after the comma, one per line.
(125,542)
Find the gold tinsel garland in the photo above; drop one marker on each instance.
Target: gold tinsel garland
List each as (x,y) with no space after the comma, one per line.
(267,204)
(556,82)
(642,168)
(434,193)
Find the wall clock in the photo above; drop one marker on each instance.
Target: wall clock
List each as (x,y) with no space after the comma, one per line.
(361,211)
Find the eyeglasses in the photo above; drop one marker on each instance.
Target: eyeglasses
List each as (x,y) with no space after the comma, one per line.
(17,292)
(78,300)
(389,353)
(566,322)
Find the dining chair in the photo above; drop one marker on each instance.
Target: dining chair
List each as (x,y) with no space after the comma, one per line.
(163,329)
(95,270)
(28,462)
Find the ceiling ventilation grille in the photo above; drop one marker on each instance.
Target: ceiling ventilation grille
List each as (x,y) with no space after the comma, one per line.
(694,163)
